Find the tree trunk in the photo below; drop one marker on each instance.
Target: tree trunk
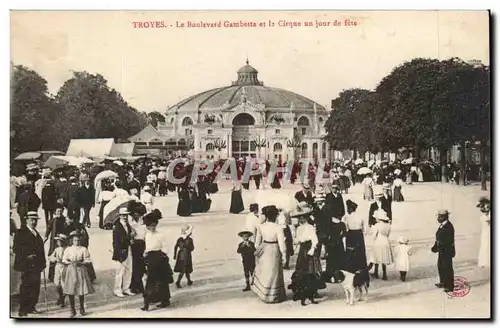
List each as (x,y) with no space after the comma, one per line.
(482,155)
(462,163)
(416,154)
(355,154)
(443,155)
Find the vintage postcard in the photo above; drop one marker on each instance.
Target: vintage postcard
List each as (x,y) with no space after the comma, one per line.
(250,164)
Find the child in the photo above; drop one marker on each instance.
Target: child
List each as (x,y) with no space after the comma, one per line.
(76,278)
(403,252)
(184,260)
(247,249)
(57,258)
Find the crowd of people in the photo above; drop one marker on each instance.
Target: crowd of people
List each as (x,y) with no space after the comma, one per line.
(323,226)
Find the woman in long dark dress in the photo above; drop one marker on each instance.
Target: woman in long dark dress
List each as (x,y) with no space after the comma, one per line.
(355,241)
(276,181)
(335,246)
(205,201)
(159,272)
(236,200)
(308,261)
(182,254)
(184,206)
(137,210)
(196,201)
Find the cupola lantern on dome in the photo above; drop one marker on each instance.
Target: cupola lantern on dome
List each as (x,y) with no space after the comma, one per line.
(247,75)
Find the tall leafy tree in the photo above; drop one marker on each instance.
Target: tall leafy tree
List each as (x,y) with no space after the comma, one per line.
(32,112)
(92,110)
(155,117)
(349,118)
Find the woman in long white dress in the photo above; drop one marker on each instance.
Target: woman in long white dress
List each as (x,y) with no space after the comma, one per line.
(268,283)
(381,250)
(484,248)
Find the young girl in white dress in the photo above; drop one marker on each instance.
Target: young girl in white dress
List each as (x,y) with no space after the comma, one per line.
(403,253)
(76,279)
(57,258)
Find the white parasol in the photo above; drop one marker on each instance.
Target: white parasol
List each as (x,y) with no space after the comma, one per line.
(358,161)
(281,199)
(364,170)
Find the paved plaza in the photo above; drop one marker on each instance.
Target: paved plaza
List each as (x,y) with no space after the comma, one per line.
(218,274)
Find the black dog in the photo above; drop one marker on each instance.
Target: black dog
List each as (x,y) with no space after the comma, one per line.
(304,286)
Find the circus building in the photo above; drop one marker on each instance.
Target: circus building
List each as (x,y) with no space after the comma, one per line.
(243,119)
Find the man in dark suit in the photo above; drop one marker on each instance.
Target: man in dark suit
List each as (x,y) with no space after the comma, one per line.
(305,195)
(27,201)
(445,247)
(122,254)
(380,203)
(86,197)
(30,261)
(71,200)
(337,203)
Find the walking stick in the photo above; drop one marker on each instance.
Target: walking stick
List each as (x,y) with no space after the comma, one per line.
(45,291)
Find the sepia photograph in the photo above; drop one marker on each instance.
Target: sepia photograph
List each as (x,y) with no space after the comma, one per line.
(250,164)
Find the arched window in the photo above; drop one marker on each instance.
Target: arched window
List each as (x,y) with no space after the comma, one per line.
(303,121)
(209,147)
(315,150)
(278,147)
(304,150)
(187,121)
(321,124)
(323,150)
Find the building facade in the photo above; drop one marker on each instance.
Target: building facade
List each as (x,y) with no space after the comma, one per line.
(243,119)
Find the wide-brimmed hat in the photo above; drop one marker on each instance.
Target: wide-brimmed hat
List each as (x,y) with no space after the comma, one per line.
(75,233)
(146,188)
(302,209)
(187,230)
(403,240)
(351,205)
(381,215)
(306,186)
(245,232)
(320,189)
(32,215)
(385,185)
(152,218)
(483,201)
(123,211)
(61,237)
(163,168)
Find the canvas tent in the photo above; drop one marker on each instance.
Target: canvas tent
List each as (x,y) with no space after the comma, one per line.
(90,147)
(122,150)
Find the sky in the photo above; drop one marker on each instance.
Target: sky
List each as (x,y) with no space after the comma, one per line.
(154,68)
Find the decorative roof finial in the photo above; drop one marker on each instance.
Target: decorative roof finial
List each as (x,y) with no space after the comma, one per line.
(247,61)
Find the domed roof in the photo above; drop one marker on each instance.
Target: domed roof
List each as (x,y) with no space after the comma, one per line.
(247,69)
(246,87)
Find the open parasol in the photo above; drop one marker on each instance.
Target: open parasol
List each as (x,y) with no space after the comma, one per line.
(364,170)
(280,199)
(55,162)
(27,156)
(359,161)
(111,209)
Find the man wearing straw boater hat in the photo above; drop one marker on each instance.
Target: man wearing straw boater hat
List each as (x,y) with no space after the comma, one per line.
(445,247)
(305,195)
(379,203)
(30,261)
(122,254)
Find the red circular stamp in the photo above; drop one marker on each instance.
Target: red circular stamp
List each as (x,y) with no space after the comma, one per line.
(461,287)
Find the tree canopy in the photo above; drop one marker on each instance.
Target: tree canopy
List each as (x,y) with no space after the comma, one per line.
(421,103)
(84,107)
